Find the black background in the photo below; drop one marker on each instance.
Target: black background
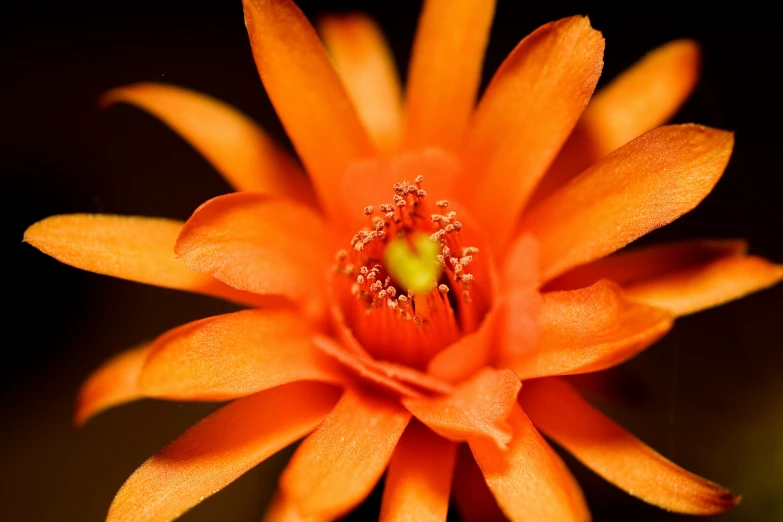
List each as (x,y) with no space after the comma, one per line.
(709,395)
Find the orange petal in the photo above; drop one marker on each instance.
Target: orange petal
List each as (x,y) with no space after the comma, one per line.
(643,97)
(114,383)
(644,185)
(622,459)
(638,264)
(219,449)
(529,481)
(135,248)
(260,244)
(473,498)
(525,115)
(283,510)
(469,354)
(419,477)
(240,150)
(520,306)
(306,93)
(365,64)
(697,288)
(477,408)
(590,329)
(337,466)
(445,71)
(233,355)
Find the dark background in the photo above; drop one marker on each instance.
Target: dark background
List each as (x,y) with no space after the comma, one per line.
(709,395)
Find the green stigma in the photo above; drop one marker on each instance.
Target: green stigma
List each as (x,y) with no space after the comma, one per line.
(417,270)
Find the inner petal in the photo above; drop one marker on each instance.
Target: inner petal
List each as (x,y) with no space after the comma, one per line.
(392,321)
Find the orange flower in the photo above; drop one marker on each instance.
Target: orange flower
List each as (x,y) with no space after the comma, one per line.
(421,381)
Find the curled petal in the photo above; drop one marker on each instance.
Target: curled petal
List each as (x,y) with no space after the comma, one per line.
(640,99)
(260,244)
(590,329)
(114,383)
(445,70)
(525,115)
(638,264)
(218,450)
(603,446)
(307,94)
(419,477)
(365,64)
(233,355)
(644,185)
(338,465)
(529,481)
(697,288)
(240,150)
(478,408)
(139,249)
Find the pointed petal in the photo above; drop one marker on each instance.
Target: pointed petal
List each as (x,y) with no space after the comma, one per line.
(135,248)
(644,185)
(233,355)
(219,449)
(557,409)
(711,284)
(643,97)
(114,383)
(321,122)
(590,329)
(419,477)
(525,115)
(365,64)
(637,264)
(529,481)
(240,150)
(469,354)
(337,466)
(473,498)
(445,71)
(478,408)
(257,243)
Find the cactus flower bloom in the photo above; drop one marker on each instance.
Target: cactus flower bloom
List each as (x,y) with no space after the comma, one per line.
(418,287)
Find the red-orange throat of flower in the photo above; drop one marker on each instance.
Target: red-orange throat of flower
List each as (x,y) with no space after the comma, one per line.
(391,321)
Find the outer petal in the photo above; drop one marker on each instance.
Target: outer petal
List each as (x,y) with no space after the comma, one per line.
(233,355)
(136,248)
(478,408)
(365,64)
(283,510)
(588,330)
(473,498)
(219,449)
(644,185)
(114,383)
(638,264)
(419,477)
(306,93)
(527,112)
(445,70)
(711,284)
(259,244)
(642,98)
(529,481)
(338,465)
(240,150)
(558,410)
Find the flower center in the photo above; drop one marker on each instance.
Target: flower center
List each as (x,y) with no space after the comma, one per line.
(407,286)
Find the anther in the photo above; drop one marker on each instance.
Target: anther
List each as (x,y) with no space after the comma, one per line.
(369,209)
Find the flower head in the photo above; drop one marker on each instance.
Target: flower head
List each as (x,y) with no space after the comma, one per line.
(416,298)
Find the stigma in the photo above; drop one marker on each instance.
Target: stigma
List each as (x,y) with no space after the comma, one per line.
(406,283)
